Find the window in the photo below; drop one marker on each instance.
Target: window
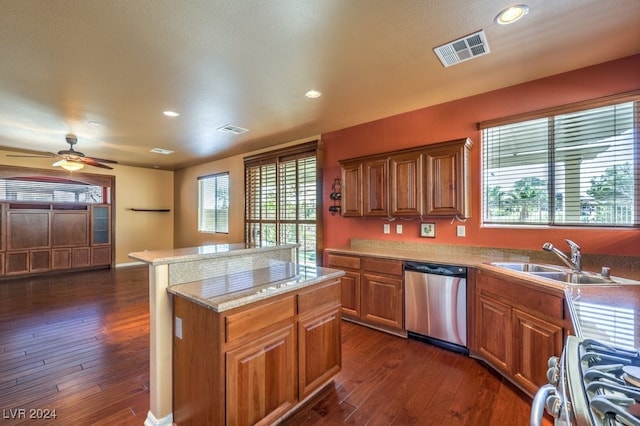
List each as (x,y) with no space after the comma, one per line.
(573,167)
(213,203)
(281,202)
(49,190)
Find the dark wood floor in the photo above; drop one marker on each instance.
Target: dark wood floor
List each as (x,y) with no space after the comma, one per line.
(79,344)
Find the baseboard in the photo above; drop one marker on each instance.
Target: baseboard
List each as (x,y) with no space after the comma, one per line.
(152,421)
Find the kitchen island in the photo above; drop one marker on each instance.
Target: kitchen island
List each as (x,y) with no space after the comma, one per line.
(220,280)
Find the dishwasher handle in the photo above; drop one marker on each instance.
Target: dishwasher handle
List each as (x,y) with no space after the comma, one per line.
(436,269)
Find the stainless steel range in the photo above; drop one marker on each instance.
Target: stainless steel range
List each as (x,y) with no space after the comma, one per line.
(593,383)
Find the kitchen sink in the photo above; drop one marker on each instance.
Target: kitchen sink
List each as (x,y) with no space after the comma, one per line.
(574,277)
(529,267)
(556,273)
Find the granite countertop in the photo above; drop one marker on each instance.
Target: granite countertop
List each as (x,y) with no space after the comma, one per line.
(608,313)
(159,257)
(470,258)
(237,289)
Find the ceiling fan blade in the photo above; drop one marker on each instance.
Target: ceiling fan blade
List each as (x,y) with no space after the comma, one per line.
(43,155)
(101,160)
(104,166)
(92,162)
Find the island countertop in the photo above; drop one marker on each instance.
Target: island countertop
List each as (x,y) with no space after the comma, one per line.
(187,254)
(240,288)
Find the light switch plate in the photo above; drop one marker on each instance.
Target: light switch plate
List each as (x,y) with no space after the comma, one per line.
(386,228)
(398,229)
(460,231)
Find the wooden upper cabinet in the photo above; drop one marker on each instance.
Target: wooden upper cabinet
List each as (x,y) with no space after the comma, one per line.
(431,180)
(351,199)
(448,189)
(405,182)
(375,185)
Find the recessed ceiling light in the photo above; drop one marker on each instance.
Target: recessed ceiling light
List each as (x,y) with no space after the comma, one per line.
(313,94)
(511,14)
(171,113)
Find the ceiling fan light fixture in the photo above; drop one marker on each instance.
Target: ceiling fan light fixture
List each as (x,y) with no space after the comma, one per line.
(69,165)
(511,14)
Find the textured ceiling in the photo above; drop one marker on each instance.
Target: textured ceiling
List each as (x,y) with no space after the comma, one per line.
(120,63)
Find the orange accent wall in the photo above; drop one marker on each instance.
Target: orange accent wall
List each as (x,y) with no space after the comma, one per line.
(458,119)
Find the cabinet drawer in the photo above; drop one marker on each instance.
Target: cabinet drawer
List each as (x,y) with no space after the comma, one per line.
(246,322)
(341,261)
(382,266)
(320,298)
(518,293)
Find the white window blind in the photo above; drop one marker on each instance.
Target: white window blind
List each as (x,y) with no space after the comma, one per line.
(213,203)
(281,200)
(573,168)
(42,189)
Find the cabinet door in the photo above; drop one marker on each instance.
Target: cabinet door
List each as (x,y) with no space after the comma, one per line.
(447,187)
(101,255)
(375,182)
(61,258)
(70,228)
(28,230)
(351,197)
(405,184)
(100,225)
(382,300)
(261,378)
(350,287)
(319,350)
(536,340)
(493,332)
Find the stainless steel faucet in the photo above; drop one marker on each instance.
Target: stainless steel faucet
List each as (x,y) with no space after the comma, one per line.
(575,262)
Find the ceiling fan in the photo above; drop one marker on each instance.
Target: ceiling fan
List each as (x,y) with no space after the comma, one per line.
(70,159)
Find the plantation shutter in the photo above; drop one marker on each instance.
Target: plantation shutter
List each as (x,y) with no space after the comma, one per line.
(282,196)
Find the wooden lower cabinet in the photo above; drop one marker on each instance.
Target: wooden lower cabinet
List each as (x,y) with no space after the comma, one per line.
(260,378)
(255,363)
(518,327)
(382,300)
(534,336)
(372,290)
(350,282)
(320,354)
(494,337)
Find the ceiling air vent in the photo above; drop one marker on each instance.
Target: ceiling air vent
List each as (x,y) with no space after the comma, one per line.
(232,129)
(463,49)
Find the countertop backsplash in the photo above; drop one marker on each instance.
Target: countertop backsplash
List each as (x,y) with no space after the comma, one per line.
(622,266)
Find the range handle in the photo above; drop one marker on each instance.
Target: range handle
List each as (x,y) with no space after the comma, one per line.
(538,404)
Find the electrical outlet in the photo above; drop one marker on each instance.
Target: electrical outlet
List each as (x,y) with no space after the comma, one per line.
(460,231)
(386,228)
(398,229)
(178,327)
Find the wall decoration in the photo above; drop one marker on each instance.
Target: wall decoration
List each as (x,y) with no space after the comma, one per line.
(428,230)
(336,196)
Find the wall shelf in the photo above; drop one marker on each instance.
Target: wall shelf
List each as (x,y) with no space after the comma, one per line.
(151,210)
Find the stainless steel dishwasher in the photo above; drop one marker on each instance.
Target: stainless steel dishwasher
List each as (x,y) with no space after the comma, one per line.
(435,300)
